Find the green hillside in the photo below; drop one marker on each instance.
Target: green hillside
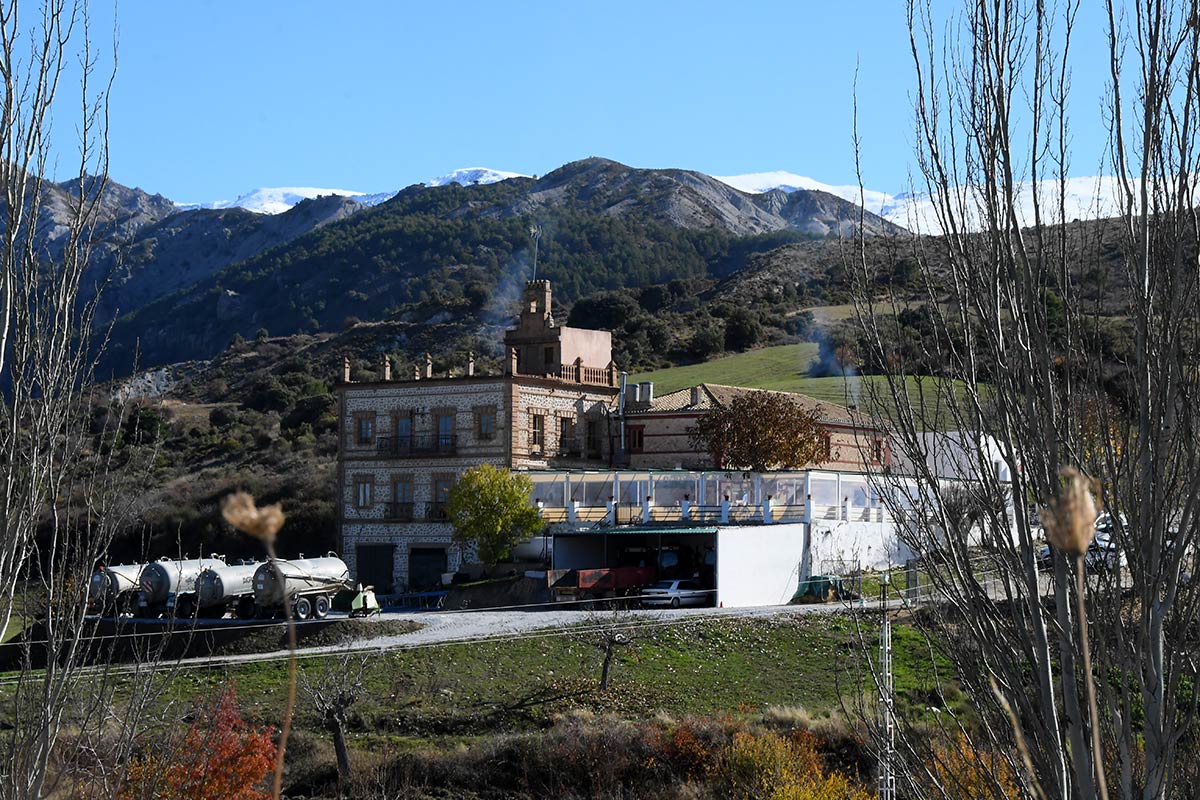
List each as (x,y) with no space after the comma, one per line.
(785,369)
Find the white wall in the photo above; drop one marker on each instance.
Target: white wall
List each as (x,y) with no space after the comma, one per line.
(759,565)
(866,545)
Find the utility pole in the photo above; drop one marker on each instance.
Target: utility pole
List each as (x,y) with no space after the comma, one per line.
(887,774)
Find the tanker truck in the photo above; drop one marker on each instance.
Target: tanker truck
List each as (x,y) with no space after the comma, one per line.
(168,587)
(220,588)
(308,584)
(113,587)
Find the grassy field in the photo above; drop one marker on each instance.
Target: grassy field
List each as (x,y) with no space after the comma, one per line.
(440,713)
(694,666)
(785,368)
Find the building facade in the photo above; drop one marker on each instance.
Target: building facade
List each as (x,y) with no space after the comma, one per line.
(657,429)
(403,443)
(556,411)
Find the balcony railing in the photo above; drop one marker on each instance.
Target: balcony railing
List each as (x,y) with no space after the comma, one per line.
(433,511)
(438,444)
(398,512)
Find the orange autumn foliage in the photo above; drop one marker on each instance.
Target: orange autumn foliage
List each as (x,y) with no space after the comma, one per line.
(221,757)
(971,773)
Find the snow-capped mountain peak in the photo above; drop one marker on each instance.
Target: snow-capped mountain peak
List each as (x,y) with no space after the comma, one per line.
(1084,198)
(762,182)
(272,200)
(472,175)
(276,200)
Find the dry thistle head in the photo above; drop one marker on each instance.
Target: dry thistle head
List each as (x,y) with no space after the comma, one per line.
(1070,519)
(261,523)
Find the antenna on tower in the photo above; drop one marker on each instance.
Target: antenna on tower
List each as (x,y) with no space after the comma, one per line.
(535,233)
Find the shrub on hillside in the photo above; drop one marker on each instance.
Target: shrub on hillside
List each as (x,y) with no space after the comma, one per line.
(220,757)
(606,310)
(742,330)
(776,767)
(269,394)
(708,340)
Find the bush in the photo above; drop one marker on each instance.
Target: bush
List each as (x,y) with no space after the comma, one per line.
(742,330)
(608,310)
(308,411)
(708,340)
(268,394)
(221,757)
(221,416)
(772,766)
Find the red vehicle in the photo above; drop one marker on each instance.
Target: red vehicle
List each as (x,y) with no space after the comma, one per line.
(596,584)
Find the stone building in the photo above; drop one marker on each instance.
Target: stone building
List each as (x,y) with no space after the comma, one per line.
(403,443)
(555,411)
(656,429)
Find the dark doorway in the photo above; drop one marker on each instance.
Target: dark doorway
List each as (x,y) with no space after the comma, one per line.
(376,567)
(425,567)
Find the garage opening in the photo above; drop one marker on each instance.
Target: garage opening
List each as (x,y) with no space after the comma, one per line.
(425,568)
(623,562)
(376,566)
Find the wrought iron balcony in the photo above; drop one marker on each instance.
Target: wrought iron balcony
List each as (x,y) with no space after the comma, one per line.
(437,444)
(398,512)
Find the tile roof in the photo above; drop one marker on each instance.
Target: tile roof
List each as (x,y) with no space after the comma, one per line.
(715,395)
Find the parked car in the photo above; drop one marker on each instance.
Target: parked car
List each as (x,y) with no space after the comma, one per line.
(1103,553)
(675,593)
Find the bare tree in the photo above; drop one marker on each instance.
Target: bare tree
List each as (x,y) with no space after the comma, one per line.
(65,489)
(1023,306)
(331,692)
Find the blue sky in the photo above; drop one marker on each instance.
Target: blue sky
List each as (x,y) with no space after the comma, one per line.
(216,98)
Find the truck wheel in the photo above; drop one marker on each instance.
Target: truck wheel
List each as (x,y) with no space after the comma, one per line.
(245,608)
(321,606)
(303,608)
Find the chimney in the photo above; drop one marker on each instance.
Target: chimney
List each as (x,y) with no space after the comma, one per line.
(511,367)
(416,373)
(428,366)
(695,396)
(470,364)
(345,369)
(637,393)
(387,368)
(647,392)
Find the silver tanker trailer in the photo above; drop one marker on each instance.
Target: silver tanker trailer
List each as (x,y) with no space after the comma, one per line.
(309,584)
(113,587)
(169,586)
(218,588)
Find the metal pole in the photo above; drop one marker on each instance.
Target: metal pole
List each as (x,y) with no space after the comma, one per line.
(887,776)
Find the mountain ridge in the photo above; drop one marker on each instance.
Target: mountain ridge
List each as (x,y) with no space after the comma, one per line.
(604,224)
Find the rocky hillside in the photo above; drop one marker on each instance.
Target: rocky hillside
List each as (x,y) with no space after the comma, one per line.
(145,247)
(174,252)
(463,250)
